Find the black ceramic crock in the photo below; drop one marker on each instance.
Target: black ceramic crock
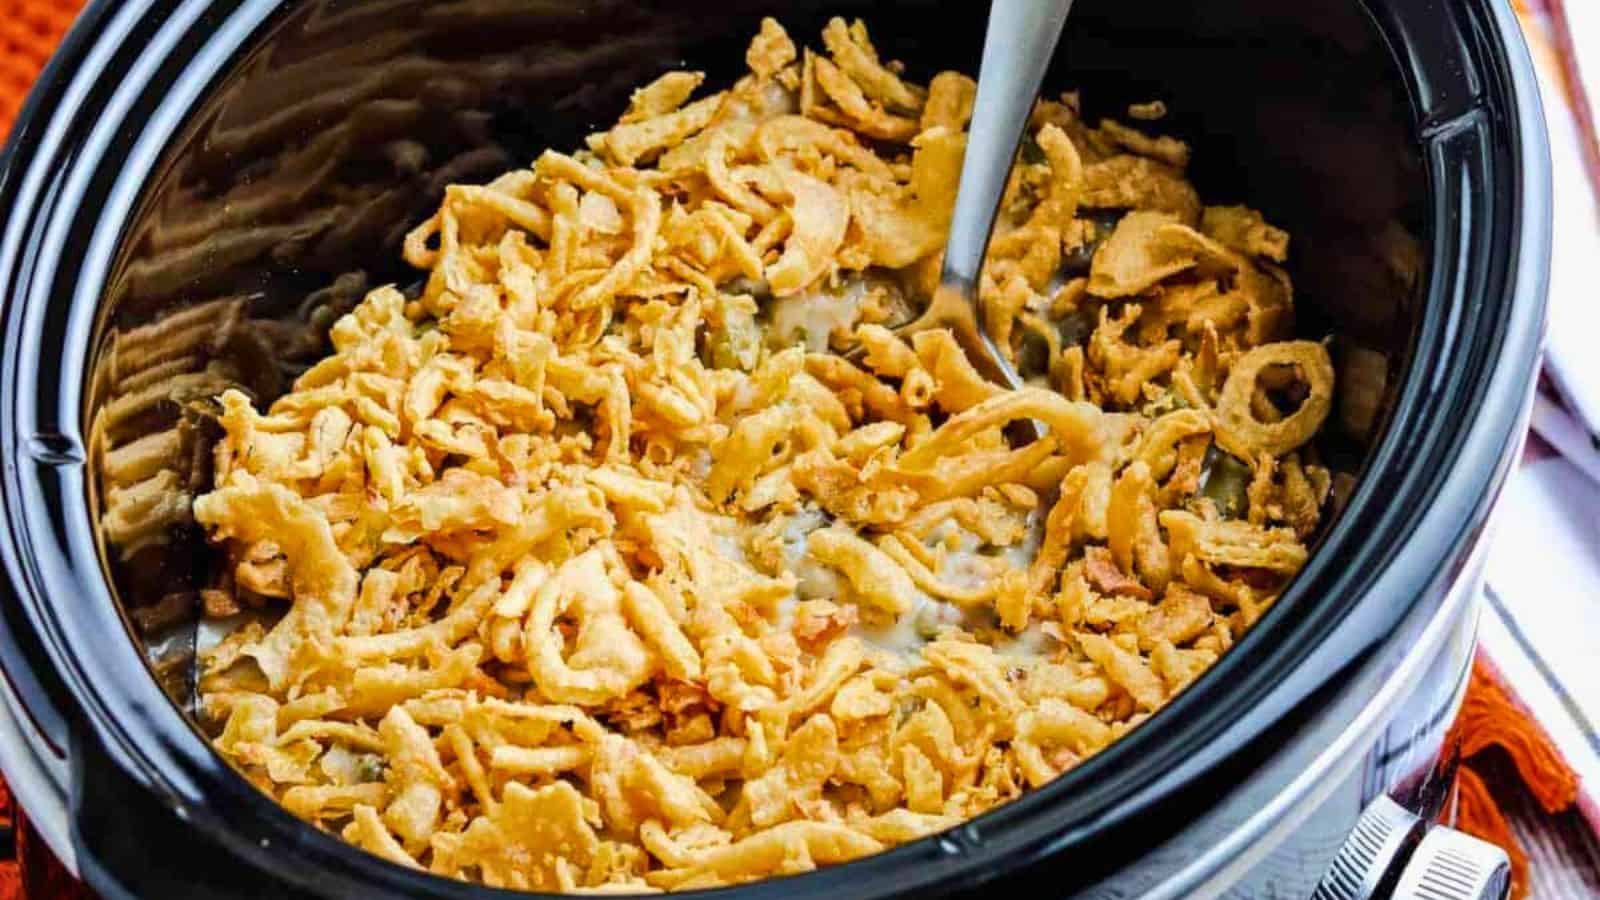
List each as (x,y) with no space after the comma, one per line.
(263,157)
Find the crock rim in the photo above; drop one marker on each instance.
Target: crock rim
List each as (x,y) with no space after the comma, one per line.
(969,849)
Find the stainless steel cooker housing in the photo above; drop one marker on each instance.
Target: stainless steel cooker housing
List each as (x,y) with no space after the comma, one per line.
(1340,119)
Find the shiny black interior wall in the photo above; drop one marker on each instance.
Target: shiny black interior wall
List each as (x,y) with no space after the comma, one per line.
(286,195)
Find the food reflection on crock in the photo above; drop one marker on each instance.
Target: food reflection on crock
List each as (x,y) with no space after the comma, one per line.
(597,562)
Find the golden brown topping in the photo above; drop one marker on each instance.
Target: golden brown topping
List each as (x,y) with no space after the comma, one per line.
(1240,428)
(638,551)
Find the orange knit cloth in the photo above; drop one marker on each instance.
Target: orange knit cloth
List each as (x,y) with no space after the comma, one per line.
(29,31)
(1490,717)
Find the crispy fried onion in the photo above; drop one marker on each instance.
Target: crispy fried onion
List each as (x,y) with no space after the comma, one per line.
(1239,428)
(606,563)
(608,658)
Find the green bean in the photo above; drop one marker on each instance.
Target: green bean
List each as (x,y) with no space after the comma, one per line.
(735,341)
(1225,480)
(1031,152)
(1033,357)
(370,768)
(1076,326)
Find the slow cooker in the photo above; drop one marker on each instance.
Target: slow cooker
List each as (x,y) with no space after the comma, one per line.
(198,187)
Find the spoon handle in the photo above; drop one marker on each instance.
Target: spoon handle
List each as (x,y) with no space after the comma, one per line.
(1017,48)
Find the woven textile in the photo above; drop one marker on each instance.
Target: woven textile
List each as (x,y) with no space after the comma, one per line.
(29,31)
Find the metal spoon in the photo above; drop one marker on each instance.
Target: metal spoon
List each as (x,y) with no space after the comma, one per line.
(1017,48)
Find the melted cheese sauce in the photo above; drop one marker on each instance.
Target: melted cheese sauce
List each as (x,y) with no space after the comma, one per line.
(811,317)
